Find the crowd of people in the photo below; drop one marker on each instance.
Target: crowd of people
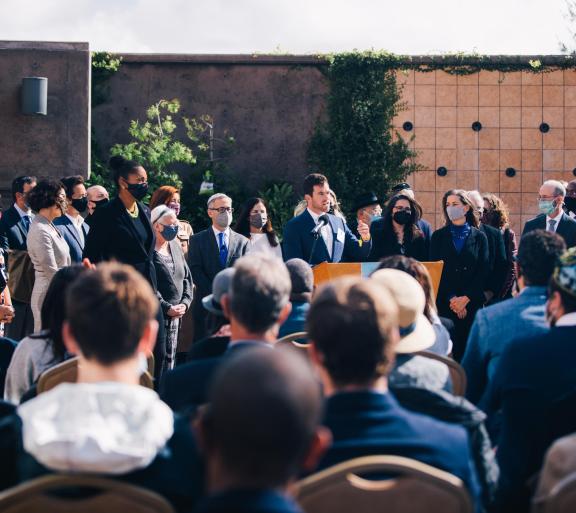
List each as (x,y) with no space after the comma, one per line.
(229,424)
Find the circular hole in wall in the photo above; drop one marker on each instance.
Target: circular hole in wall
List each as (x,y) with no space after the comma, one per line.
(408,126)
(441,171)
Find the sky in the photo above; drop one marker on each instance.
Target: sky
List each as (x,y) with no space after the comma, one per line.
(293,26)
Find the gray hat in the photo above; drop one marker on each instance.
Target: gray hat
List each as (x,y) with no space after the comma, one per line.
(302,279)
(220,286)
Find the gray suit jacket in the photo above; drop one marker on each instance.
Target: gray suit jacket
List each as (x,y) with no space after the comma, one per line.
(204,259)
(176,288)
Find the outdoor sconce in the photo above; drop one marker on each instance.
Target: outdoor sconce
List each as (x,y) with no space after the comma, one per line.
(510,172)
(441,171)
(544,128)
(35,95)
(476,126)
(407,126)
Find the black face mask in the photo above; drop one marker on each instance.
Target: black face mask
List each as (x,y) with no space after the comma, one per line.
(570,203)
(138,190)
(80,204)
(99,203)
(402,217)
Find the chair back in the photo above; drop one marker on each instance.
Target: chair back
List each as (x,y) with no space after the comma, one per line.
(457,372)
(293,342)
(81,494)
(67,372)
(400,485)
(562,498)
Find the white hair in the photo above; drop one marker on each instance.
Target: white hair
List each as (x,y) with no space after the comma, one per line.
(98,189)
(475,198)
(217,196)
(559,189)
(160,212)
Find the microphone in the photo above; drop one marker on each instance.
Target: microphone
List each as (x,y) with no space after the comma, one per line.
(322,221)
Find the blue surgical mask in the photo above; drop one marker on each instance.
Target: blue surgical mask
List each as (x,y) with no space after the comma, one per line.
(375,217)
(546,206)
(169,232)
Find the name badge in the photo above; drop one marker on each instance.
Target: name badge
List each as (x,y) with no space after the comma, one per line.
(340,235)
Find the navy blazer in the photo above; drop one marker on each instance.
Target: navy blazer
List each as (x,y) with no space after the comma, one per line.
(186,386)
(13,232)
(248,501)
(534,386)
(566,228)
(66,227)
(298,241)
(368,423)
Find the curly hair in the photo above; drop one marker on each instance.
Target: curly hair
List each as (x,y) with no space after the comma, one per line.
(45,194)
(497,215)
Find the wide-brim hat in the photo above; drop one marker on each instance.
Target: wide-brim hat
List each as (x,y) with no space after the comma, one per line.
(416,331)
(365,199)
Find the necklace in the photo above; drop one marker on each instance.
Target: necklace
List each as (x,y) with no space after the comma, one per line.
(134,213)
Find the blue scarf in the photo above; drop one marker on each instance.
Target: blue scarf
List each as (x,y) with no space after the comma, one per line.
(459,235)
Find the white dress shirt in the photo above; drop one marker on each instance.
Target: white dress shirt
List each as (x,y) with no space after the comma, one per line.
(24,213)
(226,233)
(568,319)
(557,219)
(77,222)
(325,231)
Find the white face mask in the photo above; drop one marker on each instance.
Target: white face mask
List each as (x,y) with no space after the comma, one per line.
(224,219)
(455,212)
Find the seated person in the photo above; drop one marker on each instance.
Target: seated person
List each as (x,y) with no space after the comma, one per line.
(257,437)
(353,353)
(302,279)
(416,334)
(106,423)
(257,303)
(218,324)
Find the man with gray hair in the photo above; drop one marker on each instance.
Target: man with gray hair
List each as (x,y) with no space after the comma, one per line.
(212,250)
(552,217)
(257,303)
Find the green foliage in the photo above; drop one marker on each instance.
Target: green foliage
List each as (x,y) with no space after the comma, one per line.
(281,199)
(355,147)
(104,65)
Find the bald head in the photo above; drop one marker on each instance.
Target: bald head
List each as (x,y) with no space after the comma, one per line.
(265,409)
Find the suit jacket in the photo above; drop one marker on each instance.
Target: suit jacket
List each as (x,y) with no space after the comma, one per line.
(66,227)
(367,423)
(498,264)
(464,273)
(13,235)
(204,259)
(566,228)
(248,501)
(535,388)
(186,386)
(385,243)
(113,236)
(298,241)
(174,288)
(494,328)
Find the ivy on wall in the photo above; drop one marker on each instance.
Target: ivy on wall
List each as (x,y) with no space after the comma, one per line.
(355,147)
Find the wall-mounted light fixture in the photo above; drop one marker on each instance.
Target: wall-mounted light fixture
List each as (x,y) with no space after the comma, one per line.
(35,95)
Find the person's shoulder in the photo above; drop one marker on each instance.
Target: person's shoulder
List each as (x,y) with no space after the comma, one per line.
(299,219)
(437,431)
(10,216)
(490,230)
(569,221)
(62,220)
(241,238)
(540,218)
(440,232)
(201,235)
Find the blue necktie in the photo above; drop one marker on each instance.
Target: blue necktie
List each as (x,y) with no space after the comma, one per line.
(223,249)
(26,220)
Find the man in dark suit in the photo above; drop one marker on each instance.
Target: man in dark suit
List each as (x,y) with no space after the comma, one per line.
(353,329)
(261,430)
(14,226)
(552,218)
(498,263)
(257,304)
(212,250)
(333,241)
(535,385)
(72,225)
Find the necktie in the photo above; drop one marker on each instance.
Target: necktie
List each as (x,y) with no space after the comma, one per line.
(223,249)
(551,224)
(26,220)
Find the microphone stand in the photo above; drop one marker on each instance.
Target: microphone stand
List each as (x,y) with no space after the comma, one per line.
(316,237)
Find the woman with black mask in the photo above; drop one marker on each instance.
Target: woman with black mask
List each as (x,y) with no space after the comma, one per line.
(121,230)
(397,232)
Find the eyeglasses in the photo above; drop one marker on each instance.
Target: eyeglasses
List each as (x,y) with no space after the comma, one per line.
(221,210)
(546,198)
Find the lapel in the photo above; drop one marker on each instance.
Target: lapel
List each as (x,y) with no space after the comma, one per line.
(73,232)
(212,242)
(320,245)
(17,222)
(561,225)
(232,242)
(124,219)
(332,221)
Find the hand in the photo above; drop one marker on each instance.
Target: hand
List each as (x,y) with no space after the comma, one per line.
(6,314)
(177,311)
(459,303)
(89,265)
(462,313)
(224,331)
(363,230)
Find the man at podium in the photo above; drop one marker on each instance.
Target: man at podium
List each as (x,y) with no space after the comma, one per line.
(317,236)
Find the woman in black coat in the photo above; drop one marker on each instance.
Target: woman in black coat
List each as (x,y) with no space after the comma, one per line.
(464,250)
(121,231)
(397,232)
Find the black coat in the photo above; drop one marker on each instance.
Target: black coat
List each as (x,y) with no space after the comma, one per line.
(498,262)
(174,288)
(112,236)
(385,243)
(566,228)
(464,273)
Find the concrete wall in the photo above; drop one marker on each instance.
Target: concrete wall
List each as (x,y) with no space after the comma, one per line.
(56,144)
(269,104)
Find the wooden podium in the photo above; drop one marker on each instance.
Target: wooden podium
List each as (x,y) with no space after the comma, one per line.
(325,272)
